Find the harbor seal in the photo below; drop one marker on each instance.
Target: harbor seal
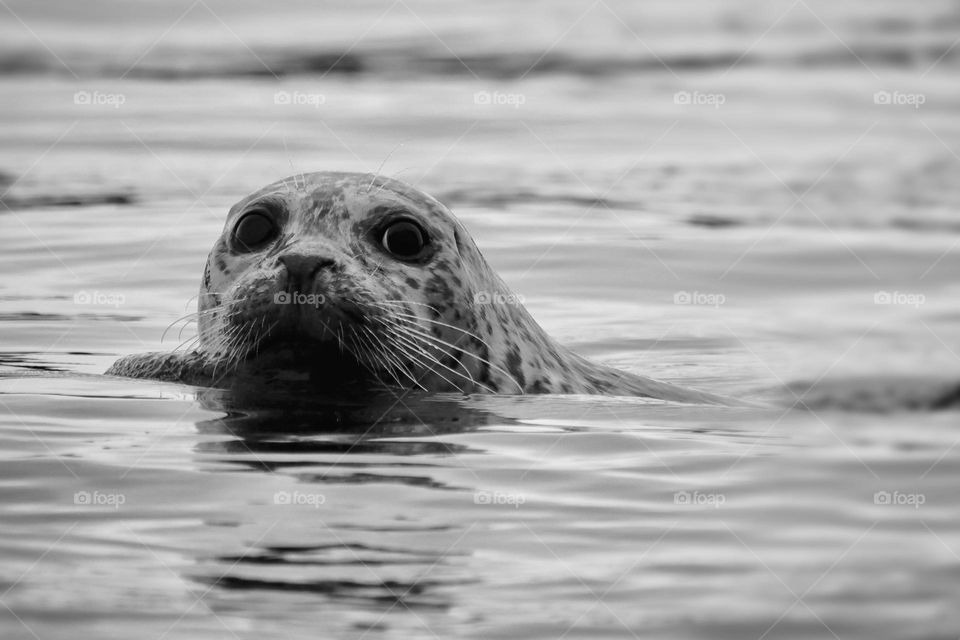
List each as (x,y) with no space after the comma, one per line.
(359,279)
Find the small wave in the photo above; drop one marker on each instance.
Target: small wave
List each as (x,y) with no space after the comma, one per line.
(45,200)
(713,221)
(926,225)
(498,197)
(875,395)
(419,60)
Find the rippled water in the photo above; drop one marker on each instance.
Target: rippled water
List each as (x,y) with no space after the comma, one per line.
(812,227)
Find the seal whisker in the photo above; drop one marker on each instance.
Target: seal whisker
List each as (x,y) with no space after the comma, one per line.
(425,353)
(340,336)
(403,304)
(360,353)
(219,345)
(231,343)
(375,343)
(185,342)
(423,345)
(255,337)
(375,175)
(466,352)
(183,328)
(444,324)
(418,343)
(365,356)
(237,347)
(391,360)
(388,363)
(430,320)
(225,347)
(243,345)
(371,351)
(189,317)
(396,173)
(261,334)
(413,357)
(188,344)
(470,353)
(406,323)
(362,350)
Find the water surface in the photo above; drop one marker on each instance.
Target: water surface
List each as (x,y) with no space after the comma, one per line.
(799,230)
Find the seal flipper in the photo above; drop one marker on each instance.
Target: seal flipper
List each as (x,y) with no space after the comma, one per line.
(187,368)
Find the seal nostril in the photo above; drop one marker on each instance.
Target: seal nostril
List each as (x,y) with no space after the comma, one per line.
(301,269)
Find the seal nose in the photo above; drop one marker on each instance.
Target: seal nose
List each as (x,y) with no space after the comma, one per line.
(302,268)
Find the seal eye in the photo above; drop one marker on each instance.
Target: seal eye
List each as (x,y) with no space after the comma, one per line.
(253,229)
(404,240)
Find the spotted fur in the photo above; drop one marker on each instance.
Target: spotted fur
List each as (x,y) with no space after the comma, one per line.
(448,324)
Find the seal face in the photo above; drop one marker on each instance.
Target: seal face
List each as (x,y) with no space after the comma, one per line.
(342,277)
(355,275)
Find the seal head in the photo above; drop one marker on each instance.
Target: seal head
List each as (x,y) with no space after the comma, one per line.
(355,276)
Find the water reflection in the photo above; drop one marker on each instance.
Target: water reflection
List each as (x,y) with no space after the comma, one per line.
(309,426)
(367,461)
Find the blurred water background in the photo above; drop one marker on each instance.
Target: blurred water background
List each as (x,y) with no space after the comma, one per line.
(729,195)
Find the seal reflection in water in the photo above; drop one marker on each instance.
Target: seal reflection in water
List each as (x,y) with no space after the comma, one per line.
(357,280)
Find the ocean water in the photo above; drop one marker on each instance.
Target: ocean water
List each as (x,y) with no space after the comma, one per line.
(743,197)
